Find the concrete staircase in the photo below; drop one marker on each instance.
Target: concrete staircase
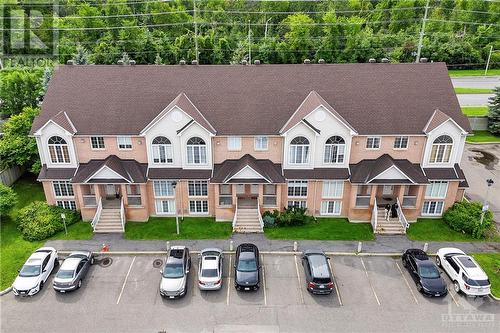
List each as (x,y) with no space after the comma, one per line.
(109,221)
(247,221)
(391,227)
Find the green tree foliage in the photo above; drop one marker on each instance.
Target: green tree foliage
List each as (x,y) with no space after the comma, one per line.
(8,199)
(81,56)
(466,216)
(20,89)
(494,113)
(16,148)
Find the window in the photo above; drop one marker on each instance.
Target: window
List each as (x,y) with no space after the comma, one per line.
(196,151)
(401,142)
(58,150)
(124,142)
(436,189)
(269,197)
(234,143)
(441,149)
(163,188)
(297,188)
(162,150)
(330,207)
(97,142)
(67,204)
(134,195)
(373,142)
(225,195)
(333,189)
(432,208)
(198,188)
(297,203)
(334,150)
(261,143)
(299,150)
(165,206)
(63,188)
(198,206)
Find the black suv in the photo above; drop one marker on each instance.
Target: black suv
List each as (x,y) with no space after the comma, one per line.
(319,279)
(424,272)
(247,267)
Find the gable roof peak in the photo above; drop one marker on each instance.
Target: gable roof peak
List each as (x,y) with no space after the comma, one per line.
(437,118)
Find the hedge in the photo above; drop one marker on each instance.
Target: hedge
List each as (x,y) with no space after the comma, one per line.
(466,217)
(8,199)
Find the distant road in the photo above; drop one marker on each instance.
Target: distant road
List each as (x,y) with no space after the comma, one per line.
(485,82)
(473,99)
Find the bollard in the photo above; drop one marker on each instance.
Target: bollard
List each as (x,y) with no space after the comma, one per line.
(168,245)
(426,247)
(231,246)
(360,245)
(295,246)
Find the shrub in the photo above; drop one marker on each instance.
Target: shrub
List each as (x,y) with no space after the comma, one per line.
(466,216)
(39,221)
(290,216)
(269,221)
(8,199)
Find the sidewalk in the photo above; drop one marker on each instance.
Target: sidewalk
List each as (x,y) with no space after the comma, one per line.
(382,244)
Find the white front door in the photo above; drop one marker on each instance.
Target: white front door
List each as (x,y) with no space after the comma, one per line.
(110,190)
(387,190)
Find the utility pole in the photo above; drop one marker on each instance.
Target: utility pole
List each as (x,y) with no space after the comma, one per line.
(249,45)
(195,32)
(489,182)
(488,62)
(422,32)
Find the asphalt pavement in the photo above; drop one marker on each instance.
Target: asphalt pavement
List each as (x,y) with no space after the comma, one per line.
(483,82)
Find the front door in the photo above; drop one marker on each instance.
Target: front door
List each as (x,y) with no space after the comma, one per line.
(247,195)
(110,191)
(388,190)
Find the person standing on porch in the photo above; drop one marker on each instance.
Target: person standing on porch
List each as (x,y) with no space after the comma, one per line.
(387,211)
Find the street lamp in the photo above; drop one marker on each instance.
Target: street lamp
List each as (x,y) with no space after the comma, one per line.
(265,32)
(174,185)
(489,182)
(63,216)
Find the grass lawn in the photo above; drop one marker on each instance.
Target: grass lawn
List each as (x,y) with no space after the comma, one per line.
(459,90)
(323,229)
(475,111)
(472,72)
(190,228)
(437,230)
(14,250)
(490,263)
(483,136)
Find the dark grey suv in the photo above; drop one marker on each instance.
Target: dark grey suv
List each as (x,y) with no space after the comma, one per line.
(319,279)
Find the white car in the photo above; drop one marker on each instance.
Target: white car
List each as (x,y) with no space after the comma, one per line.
(464,271)
(210,269)
(35,272)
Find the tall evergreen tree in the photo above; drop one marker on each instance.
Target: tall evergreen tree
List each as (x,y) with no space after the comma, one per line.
(47,75)
(494,114)
(81,56)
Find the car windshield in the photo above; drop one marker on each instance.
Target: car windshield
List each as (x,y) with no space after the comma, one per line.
(64,274)
(30,270)
(247,265)
(173,271)
(429,272)
(209,273)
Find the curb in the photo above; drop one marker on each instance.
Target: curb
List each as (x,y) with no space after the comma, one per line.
(482,143)
(6,291)
(495,298)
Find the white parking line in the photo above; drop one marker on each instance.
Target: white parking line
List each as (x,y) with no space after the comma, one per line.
(335,283)
(298,279)
(229,281)
(450,291)
(370,282)
(407,284)
(125,281)
(263,279)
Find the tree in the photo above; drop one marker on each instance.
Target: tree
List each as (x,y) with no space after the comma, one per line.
(158,60)
(82,56)
(47,75)
(8,199)
(19,89)
(16,148)
(494,114)
(125,59)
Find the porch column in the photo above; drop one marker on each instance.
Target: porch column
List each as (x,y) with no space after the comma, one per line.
(123,191)
(97,191)
(373,194)
(420,197)
(401,193)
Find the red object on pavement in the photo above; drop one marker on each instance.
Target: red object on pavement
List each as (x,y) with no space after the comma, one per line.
(105,248)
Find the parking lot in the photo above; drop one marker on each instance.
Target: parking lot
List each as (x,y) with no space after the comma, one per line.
(371,293)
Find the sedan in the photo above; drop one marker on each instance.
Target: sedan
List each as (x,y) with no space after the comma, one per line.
(73,271)
(247,267)
(35,272)
(210,269)
(424,272)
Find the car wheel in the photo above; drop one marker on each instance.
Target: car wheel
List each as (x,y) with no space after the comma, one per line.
(79,284)
(438,261)
(404,263)
(41,286)
(91,260)
(456,286)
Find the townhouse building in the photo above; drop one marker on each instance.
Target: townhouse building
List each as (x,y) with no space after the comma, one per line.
(125,143)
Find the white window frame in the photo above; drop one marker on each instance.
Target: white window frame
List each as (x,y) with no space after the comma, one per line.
(159,206)
(334,153)
(200,186)
(124,142)
(398,142)
(445,149)
(267,195)
(299,158)
(436,189)
(99,143)
(234,143)
(331,207)
(168,184)
(432,208)
(66,204)
(193,149)
(159,149)
(225,195)
(57,185)
(332,189)
(200,206)
(371,140)
(261,143)
(60,150)
(297,185)
(297,203)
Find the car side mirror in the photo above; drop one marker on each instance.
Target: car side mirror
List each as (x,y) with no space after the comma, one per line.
(161,271)
(234,265)
(328,258)
(187,271)
(303,257)
(44,270)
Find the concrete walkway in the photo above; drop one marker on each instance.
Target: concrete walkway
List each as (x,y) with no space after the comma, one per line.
(382,244)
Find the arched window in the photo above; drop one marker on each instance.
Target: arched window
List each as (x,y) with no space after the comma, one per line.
(299,150)
(58,150)
(162,150)
(441,149)
(196,151)
(334,150)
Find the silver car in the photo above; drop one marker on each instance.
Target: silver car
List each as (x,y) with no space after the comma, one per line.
(210,269)
(73,270)
(174,274)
